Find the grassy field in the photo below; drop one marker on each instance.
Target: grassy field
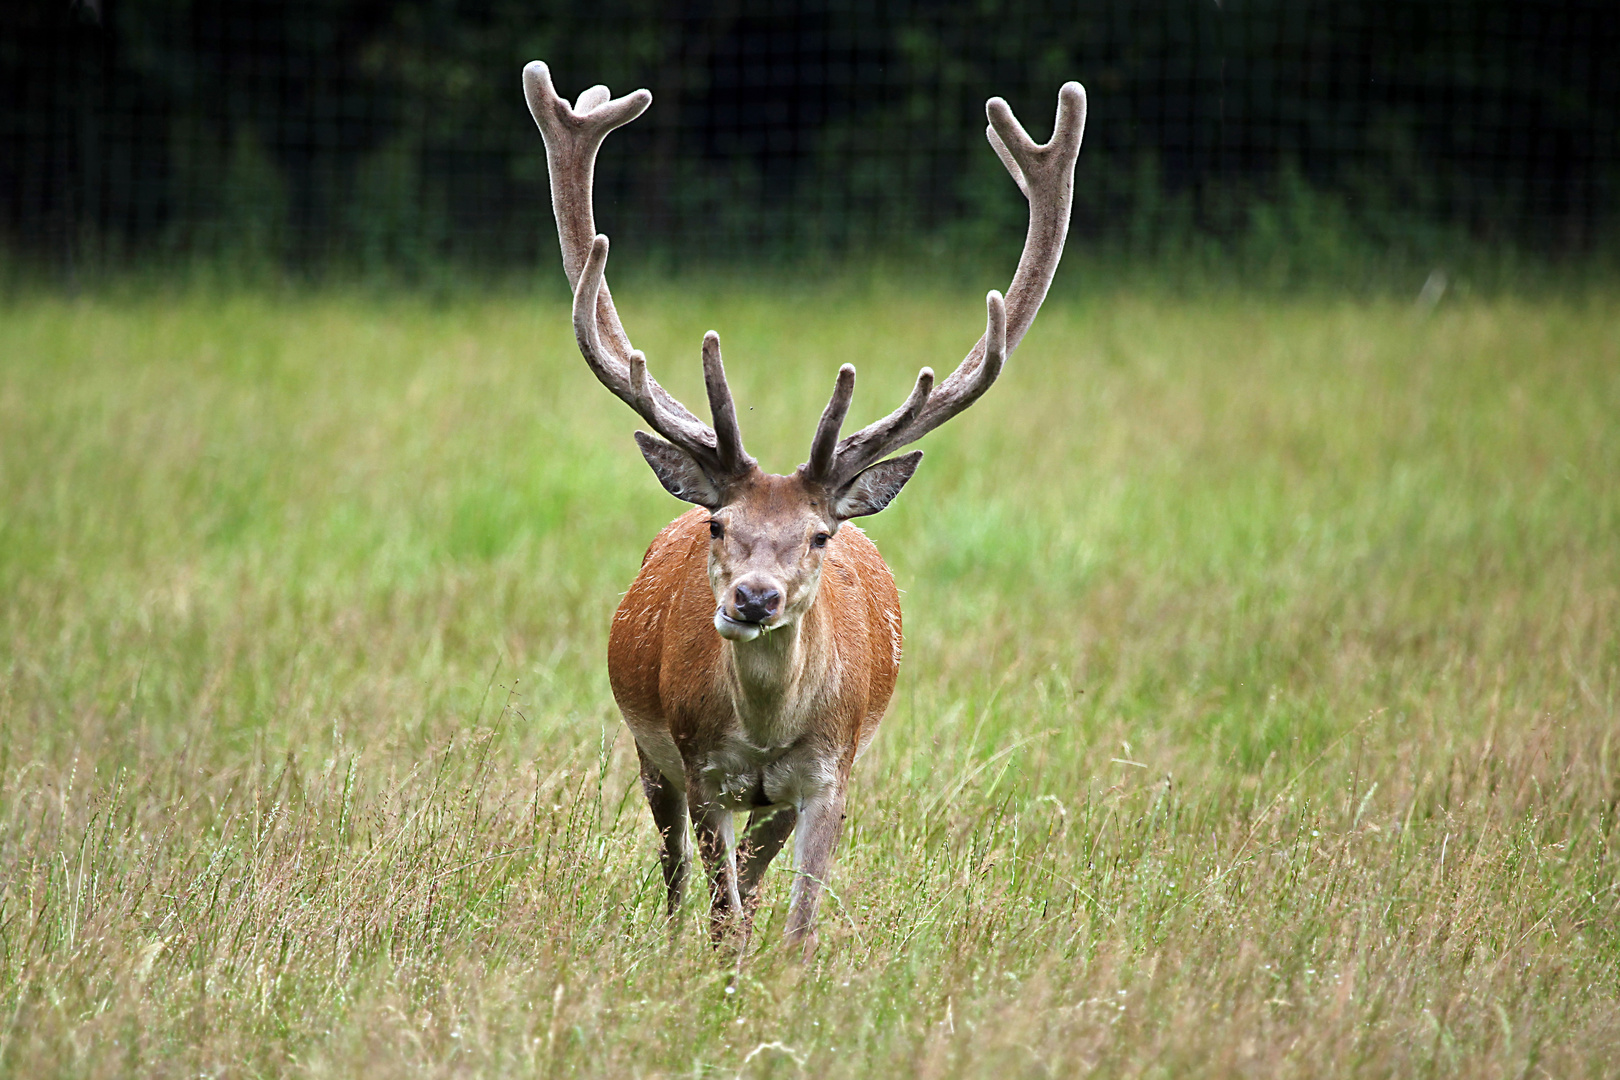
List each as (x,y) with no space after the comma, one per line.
(1260,714)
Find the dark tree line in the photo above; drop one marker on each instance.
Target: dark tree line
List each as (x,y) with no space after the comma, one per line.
(380,133)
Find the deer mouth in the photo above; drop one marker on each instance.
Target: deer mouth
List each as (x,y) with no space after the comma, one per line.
(740,629)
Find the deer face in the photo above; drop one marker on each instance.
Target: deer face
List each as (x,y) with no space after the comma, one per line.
(765,549)
(767,534)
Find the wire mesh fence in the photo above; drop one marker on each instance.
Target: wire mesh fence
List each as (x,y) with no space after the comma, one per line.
(394,134)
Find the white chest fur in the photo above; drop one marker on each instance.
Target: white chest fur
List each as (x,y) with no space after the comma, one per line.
(778,684)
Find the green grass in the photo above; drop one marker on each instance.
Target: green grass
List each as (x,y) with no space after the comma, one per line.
(1259,712)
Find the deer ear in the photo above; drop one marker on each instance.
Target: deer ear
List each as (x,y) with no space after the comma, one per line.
(681,476)
(875,487)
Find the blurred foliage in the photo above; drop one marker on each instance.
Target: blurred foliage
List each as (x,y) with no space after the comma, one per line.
(393,136)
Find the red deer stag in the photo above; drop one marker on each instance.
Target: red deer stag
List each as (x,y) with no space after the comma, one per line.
(755,653)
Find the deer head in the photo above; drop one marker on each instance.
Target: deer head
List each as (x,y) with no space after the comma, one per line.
(767,532)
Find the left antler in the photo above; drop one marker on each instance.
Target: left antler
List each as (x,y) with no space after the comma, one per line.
(573,135)
(1045,174)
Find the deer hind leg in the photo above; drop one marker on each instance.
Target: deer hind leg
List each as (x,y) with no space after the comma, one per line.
(768,829)
(668,805)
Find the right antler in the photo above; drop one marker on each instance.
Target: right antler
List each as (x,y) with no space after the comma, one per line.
(1045,174)
(572,136)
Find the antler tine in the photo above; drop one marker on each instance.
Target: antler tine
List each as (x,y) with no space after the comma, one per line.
(995,342)
(573,135)
(638,383)
(628,379)
(1045,174)
(964,386)
(587,330)
(590,99)
(875,440)
(1015,170)
(722,411)
(823,446)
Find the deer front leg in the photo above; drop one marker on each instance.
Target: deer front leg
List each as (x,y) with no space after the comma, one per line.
(717,845)
(668,805)
(821,819)
(768,829)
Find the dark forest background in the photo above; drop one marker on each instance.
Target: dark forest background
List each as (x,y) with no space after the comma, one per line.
(307,134)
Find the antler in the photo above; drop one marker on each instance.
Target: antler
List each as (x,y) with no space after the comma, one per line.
(573,135)
(1045,174)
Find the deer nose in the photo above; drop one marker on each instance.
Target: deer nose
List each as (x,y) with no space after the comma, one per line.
(756,604)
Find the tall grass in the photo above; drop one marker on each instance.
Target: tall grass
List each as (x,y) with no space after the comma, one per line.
(1259,711)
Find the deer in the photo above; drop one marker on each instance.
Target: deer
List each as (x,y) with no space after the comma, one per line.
(755,653)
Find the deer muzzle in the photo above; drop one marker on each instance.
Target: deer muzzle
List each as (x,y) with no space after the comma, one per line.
(752,606)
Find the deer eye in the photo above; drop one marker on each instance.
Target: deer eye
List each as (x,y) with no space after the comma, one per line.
(715,530)
(819,540)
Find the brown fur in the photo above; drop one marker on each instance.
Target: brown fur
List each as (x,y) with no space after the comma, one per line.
(664,658)
(778,735)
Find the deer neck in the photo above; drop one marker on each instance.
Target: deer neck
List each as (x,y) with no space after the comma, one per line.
(776,679)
